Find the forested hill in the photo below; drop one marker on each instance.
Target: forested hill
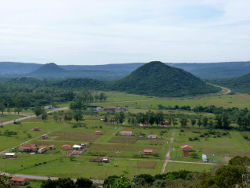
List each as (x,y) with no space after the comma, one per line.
(118,71)
(158,79)
(239,84)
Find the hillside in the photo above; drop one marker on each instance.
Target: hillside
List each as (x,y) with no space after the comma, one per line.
(215,70)
(239,84)
(53,71)
(118,71)
(158,79)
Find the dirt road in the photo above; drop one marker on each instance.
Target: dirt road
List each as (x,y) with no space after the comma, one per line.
(168,154)
(31,116)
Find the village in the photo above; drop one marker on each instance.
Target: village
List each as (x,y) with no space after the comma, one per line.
(100,145)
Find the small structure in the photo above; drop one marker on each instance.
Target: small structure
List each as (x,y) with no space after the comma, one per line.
(152,136)
(85,145)
(105,159)
(94,108)
(66,147)
(204,158)
(28,148)
(19,181)
(186,149)
(42,149)
(77,147)
(37,129)
(95,159)
(9,156)
(148,151)
(48,107)
(44,136)
(126,133)
(98,132)
(52,147)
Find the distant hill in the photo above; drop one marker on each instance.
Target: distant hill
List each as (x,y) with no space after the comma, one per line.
(50,70)
(53,71)
(239,84)
(215,70)
(118,71)
(158,79)
(16,68)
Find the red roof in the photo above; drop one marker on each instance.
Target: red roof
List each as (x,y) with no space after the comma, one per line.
(65,147)
(85,144)
(187,147)
(152,135)
(98,131)
(148,151)
(19,179)
(42,147)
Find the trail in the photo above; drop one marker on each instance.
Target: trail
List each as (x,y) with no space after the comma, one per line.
(224,90)
(43,177)
(168,154)
(31,116)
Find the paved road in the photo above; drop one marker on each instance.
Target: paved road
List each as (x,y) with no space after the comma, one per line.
(42,177)
(168,154)
(31,116)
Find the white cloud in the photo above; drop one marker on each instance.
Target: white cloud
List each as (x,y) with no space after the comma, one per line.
(118,31)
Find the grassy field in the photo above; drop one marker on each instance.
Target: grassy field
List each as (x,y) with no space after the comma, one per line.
(125,152)
(144,102)
(8,117)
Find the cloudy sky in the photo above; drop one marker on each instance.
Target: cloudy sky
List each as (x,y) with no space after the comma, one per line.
(122,31)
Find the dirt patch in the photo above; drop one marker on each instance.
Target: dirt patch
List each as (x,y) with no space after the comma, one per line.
(79,136)
(146,164)
(123,139)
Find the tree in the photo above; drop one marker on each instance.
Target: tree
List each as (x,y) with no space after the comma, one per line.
(68,116)
(205,121)
(4,182)
(193,122)
(83,182)
(199,122)
(38,110)
(229,176)
(183,122)
(78,115)
(44,115)
(2,107)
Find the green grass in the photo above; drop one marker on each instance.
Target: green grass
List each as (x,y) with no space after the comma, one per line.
(172,166)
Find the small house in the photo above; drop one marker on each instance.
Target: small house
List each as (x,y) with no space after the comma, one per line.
(28,148)
(52,147)
(186,149)
(19,181)
(105,159)
(84,145)
(98,132)
(66,147)
(37,129)
(148,151)
(152,136)
(126,133)
(9,156)
(44,136)
(42,149)
(77,147)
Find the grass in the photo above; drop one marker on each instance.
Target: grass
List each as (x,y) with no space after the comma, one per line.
(125,152)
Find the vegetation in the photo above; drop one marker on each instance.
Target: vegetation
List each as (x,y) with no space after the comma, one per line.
(158,79)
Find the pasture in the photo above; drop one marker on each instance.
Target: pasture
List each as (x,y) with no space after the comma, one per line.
(126,153)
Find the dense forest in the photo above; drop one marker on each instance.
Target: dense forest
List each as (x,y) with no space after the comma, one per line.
(158,79)
(238,84)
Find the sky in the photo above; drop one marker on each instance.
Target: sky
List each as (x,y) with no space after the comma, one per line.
(91,32)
